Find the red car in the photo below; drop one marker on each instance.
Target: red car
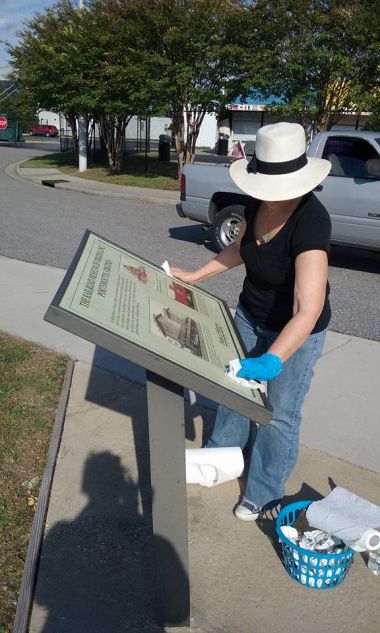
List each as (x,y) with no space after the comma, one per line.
(44,130)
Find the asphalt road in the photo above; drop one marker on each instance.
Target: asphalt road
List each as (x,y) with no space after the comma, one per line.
(43,225)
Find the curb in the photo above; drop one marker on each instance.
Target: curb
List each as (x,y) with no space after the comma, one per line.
(25,599)
(163,202)
(68,186)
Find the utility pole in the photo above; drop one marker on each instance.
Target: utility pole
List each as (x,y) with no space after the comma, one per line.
(82,127)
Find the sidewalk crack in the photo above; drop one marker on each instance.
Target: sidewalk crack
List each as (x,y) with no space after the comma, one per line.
(337,347)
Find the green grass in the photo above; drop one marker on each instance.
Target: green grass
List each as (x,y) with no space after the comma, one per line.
(51,160)
(30,385)
(136,171)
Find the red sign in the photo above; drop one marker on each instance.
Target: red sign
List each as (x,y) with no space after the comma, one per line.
(3,122)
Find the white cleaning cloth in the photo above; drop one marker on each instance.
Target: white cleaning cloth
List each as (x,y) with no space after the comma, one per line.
(166,268)
(233,368)
(212,466)
(344,514)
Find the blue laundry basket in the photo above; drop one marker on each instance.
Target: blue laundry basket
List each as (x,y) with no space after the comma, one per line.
(312,569)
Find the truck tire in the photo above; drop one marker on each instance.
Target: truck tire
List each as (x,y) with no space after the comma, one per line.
(226,225)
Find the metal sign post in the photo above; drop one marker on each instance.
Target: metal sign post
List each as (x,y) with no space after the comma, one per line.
(169,506)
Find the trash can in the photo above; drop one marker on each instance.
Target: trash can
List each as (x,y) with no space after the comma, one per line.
(164,147)
(223,144)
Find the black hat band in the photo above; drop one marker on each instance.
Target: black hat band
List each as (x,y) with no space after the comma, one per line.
(275,169)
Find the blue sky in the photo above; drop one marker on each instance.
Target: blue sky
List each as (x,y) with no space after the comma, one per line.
(12,14)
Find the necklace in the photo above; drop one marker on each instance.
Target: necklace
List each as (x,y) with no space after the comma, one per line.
(279,219)
(264,238)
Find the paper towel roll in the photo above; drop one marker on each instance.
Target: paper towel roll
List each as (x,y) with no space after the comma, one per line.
(203,474)
(212,466)
(367,543)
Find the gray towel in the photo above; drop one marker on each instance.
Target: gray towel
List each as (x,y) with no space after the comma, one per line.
(344,514)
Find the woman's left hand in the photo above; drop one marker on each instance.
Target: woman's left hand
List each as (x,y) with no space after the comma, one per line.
(265,367)
(188,276)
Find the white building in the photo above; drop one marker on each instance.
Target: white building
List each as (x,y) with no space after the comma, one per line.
(136,127)
(50,118)
(244,119)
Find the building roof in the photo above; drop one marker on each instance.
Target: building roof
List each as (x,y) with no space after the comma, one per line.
(254,104)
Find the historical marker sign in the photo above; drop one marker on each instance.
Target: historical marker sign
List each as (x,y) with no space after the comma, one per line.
(184,337)
(131,307)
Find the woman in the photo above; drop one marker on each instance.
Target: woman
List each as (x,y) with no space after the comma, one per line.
(283,310)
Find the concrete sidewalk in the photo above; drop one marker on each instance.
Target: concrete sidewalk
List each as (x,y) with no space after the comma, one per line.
(96,571)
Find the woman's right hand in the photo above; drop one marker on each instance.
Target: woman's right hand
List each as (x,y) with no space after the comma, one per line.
(187,276)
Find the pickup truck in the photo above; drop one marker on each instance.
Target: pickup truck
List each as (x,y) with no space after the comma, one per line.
(350,193)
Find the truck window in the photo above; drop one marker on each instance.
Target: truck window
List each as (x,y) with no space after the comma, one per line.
(348,156)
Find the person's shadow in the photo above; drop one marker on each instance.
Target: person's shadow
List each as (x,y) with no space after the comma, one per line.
(98,570)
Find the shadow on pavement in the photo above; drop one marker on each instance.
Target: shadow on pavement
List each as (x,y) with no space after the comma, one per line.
(43,146)
(355,259)
(98,570)
(194,234)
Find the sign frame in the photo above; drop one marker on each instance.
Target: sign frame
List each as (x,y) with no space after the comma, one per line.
(151,361)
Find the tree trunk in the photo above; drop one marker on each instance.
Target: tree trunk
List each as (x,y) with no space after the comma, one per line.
(325,121)
(90,136)
(179,135)
(186,127)
(194,122)
(107,132)
(103,148)
(113,133)
(72,119)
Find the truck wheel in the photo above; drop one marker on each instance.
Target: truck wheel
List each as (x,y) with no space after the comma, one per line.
(226,226)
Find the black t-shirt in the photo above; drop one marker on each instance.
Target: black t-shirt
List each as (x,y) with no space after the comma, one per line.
(268,290)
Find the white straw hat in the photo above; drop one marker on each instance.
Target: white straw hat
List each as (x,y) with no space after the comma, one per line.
(279,170)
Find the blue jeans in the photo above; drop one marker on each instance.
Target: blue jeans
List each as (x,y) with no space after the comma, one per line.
(274,450)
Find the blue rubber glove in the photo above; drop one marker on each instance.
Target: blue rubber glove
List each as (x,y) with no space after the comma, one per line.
(265,367)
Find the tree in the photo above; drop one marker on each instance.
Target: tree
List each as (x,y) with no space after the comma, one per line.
(86,61)
(17,108)
(46,62)
(372,104)
(321,57)
(196,46)
(119,58)
(120,80)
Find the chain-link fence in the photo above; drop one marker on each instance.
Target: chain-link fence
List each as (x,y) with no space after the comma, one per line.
(142,135)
